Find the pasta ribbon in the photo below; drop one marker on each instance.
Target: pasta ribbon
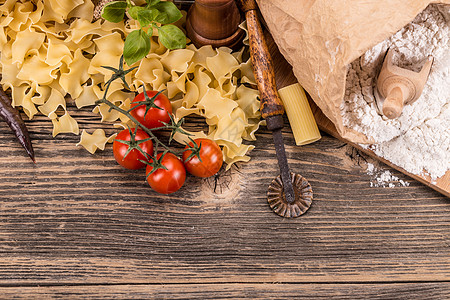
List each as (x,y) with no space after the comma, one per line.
(50,49)
(96,140)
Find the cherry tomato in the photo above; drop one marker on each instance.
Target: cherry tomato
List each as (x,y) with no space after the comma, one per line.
(131,160)
(170,180)
(154,116)
(211,158)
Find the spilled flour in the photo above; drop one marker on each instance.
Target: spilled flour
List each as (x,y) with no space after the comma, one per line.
(418,140)
(384,178)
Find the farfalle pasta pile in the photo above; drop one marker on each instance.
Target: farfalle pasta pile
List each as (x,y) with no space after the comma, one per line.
(51,50)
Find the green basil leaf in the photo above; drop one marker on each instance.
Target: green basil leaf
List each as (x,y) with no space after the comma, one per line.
(137,46)
(172,37)
(114,11)
(161,17)
(134,11)
(147,16)
(152,2)
(172,13)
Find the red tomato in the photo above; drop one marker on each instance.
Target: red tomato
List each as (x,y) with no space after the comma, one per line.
(154,116)
(170,180)
(131,160)
(211,158)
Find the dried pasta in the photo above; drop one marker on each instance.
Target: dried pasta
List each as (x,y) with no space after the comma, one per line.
(299,113)
(45,58)
(94,141)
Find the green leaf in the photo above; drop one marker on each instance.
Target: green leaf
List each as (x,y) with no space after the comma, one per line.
(114,11)
(172,37)
(152,2)
(147,16)
(169,13)
(161,17)
(137,46)
(134,11)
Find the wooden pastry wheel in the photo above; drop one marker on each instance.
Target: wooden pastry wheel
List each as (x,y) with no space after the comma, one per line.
(289,195)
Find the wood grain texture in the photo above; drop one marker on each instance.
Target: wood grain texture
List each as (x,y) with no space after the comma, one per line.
(78,226)
(236,291)
(76,219)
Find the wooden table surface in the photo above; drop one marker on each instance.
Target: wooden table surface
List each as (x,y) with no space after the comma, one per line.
(77,225)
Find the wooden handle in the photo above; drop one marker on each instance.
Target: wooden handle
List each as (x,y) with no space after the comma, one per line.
(246,5)
(393,104)
(271,104)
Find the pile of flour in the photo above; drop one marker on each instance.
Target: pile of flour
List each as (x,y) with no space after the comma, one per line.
(418,140)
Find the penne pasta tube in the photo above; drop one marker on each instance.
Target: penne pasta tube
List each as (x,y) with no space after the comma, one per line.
(301,118)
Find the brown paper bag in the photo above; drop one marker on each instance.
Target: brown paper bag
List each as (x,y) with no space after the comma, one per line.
(320,38)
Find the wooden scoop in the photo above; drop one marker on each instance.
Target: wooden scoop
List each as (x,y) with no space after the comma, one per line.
(397,87)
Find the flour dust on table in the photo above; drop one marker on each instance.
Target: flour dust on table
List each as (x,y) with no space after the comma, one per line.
(418,140)
(383,178)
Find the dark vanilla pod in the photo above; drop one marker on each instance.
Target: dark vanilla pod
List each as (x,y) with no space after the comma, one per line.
(16,123)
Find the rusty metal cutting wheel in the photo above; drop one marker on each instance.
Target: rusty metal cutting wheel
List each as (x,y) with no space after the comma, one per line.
(302,200)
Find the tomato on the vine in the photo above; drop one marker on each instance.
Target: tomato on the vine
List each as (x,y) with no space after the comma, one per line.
(211,157)
(128,145)
(153,116)
(166,181)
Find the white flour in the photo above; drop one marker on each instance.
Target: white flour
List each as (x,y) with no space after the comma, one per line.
(384,179)
(418,140)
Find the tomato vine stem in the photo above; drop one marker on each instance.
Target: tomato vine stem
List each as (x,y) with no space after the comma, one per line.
(174,126)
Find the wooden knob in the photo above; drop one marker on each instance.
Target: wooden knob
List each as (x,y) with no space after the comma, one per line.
(214,22)
(393,104)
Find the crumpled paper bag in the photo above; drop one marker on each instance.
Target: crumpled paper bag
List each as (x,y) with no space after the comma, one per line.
(320,38)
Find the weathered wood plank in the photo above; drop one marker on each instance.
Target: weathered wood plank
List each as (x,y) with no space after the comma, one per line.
(76,218)
(235,291)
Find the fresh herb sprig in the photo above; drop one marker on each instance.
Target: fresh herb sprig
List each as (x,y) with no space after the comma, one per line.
(155,14)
